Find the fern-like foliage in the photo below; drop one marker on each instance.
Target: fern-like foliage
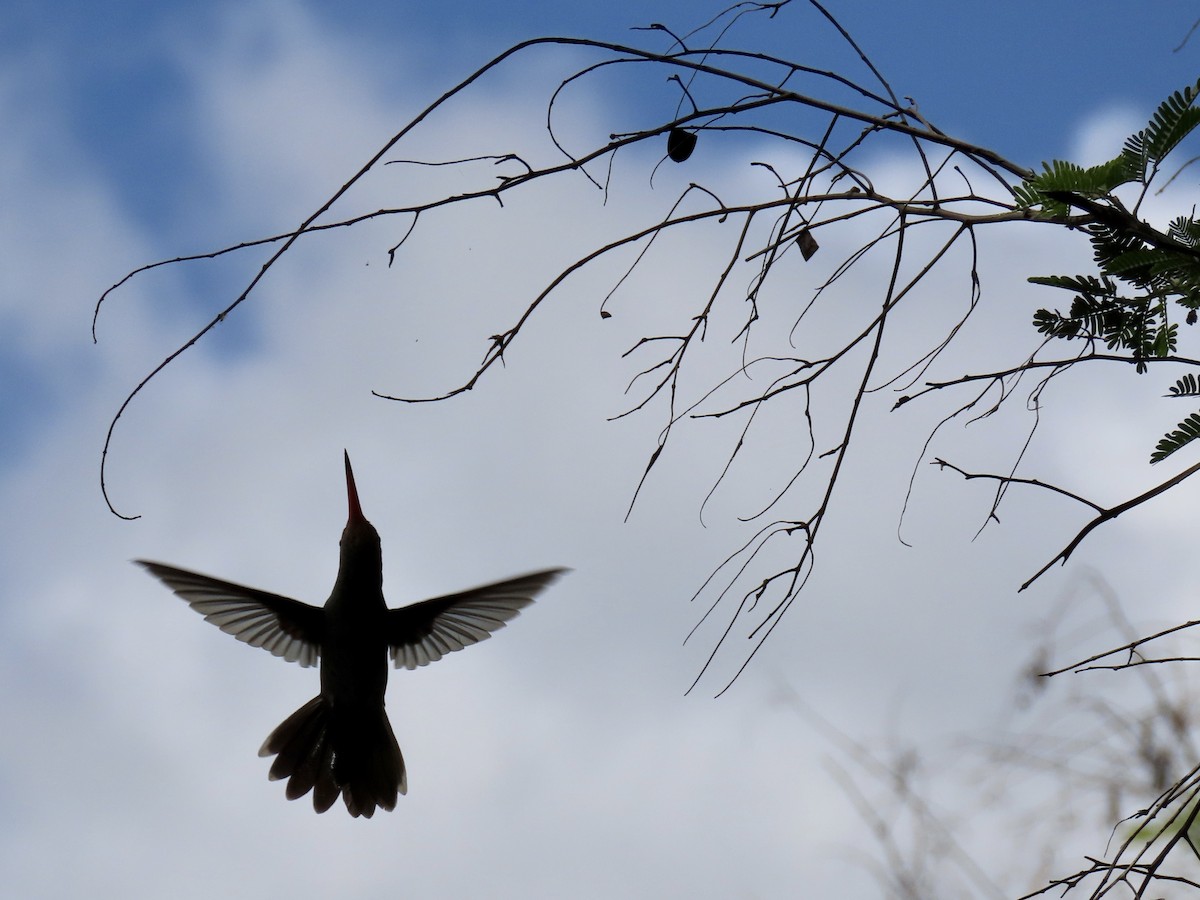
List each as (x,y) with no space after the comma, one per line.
(1098,313)
(1185,432)
(1090,318)
(1186,230)
(1060,176)
(1173,121)
(1145,274)
(1187,386)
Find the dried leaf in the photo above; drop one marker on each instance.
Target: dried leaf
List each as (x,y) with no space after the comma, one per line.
(807,243)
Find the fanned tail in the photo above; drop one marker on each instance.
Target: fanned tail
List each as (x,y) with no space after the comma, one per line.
(348,750)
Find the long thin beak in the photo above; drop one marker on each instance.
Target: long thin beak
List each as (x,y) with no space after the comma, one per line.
(356,513)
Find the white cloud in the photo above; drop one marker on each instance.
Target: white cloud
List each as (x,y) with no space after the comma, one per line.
(1102,135)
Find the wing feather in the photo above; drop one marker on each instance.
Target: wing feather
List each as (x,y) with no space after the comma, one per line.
(284,627)
(427,631)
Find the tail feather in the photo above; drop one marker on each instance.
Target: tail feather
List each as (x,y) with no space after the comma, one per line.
(367,764)
(349,751)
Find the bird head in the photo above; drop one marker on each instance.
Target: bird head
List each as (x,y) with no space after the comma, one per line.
(360,541)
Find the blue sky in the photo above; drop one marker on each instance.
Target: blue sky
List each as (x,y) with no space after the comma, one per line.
(560,758)
(1009,76)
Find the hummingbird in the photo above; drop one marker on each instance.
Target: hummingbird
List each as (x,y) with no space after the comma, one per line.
(341,742)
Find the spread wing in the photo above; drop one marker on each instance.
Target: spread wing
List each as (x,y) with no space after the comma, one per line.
(425,632)
(287,628)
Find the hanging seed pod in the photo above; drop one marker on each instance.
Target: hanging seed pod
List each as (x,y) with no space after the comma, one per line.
(680,144)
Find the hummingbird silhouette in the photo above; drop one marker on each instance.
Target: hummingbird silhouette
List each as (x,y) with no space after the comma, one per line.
(341,742)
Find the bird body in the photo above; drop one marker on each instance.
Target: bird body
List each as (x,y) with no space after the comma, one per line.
(341,742)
